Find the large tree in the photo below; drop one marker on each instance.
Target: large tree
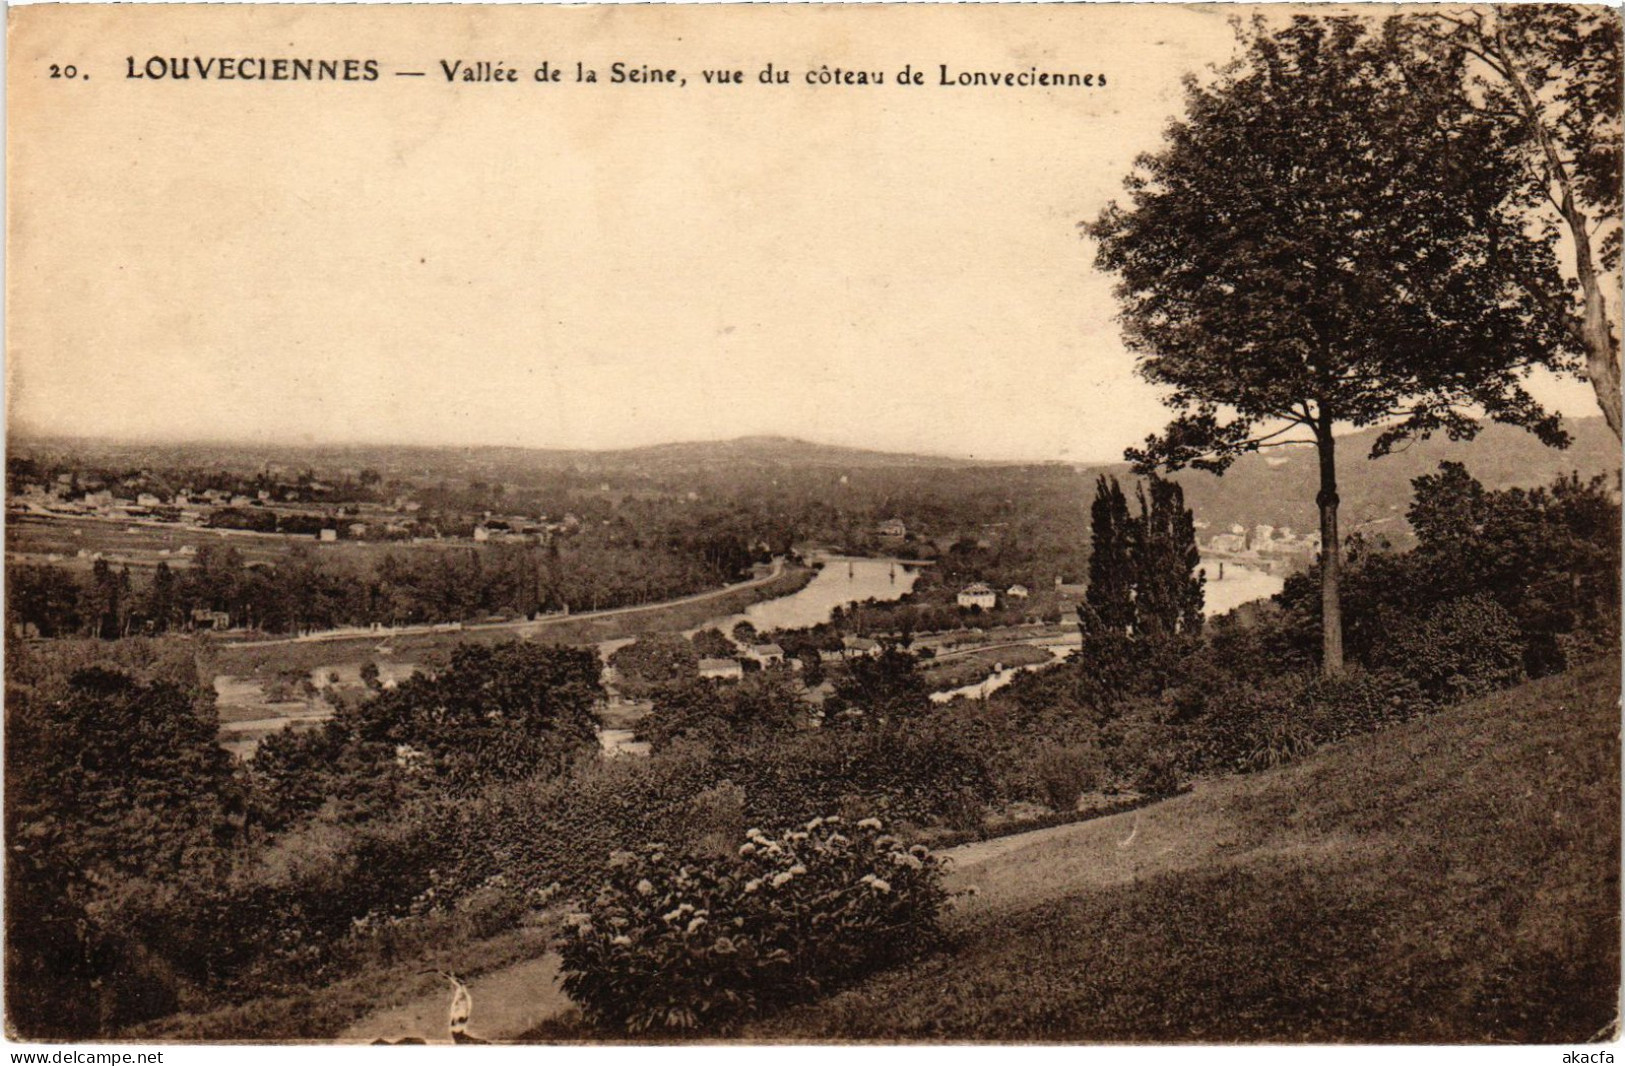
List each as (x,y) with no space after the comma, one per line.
(1551,76)
(1319,244)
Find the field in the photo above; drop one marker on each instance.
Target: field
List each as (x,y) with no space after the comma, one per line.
(973,667)
(1453,880)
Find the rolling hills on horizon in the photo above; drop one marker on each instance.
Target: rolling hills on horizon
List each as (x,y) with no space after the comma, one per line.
(1277,488)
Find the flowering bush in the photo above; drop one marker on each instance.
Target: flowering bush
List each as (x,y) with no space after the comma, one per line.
(670,944)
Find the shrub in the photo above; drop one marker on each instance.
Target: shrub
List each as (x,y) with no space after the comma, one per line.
(1464,648)
(1067,771)
(1254,727)
(716,817)
(1143,751)
(703,945)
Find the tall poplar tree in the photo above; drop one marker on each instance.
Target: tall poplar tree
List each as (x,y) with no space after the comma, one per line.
(1168,584)
(1109,599)
(1143,576)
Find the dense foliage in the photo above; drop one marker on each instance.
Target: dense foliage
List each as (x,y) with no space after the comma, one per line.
(495,712)
(676,944)
(115,784)
(1548,557)
(307,589)
(1144,575)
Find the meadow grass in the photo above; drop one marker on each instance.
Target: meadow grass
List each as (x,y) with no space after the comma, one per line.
(1452,880)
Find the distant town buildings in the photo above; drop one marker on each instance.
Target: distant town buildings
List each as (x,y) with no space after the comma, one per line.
(766,654)
(203,618)
(1262,541)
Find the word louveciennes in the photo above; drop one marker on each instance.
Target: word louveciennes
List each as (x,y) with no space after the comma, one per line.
(250,68)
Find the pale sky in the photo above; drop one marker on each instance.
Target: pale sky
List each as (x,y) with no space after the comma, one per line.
(574,266)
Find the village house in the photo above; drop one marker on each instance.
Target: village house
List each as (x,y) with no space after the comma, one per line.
(721,669)
(892,527)
(860,646)
(978,595)
(1017,592)
(328,536)
(766,654)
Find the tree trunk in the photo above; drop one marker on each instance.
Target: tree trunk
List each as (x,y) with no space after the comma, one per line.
(1331,555)
(1602,353)
(1595,333)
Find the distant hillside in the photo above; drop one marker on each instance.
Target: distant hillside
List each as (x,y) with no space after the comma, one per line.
(763,451)
(1278,487)
(516,465)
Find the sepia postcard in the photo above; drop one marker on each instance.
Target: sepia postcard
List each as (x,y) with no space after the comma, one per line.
(804,524)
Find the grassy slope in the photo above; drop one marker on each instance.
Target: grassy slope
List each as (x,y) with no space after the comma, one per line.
(1452,880)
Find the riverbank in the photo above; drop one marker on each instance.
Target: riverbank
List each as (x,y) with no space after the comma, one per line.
(262,657)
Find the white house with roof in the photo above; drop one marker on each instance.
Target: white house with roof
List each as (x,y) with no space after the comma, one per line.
(859,646)
(978,595)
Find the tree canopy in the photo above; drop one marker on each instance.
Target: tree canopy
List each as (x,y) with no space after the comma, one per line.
(1320,243)
(1550,76)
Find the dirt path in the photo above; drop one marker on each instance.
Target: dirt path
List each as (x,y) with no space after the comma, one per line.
(507,1002)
